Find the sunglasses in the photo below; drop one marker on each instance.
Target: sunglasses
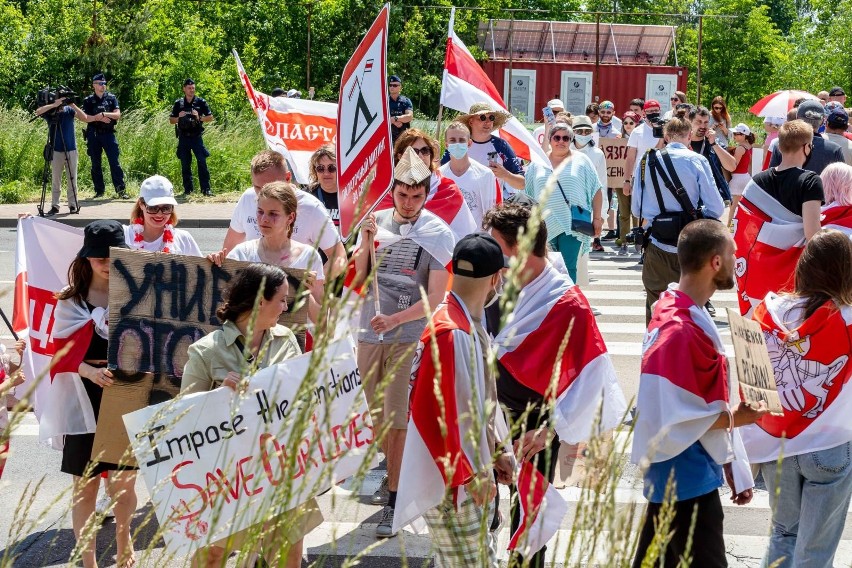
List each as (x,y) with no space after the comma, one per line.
(675,99)
(718,108)
(560,138)
(739,133)
(486,118)
(394,85)
(101,83)
(166,209)
(424,151)
(628,123)
(331,168)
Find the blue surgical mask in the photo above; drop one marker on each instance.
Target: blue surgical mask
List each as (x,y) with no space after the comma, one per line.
(457,151)
(583,139)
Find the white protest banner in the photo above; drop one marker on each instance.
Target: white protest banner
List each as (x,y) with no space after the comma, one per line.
(364,143)
(754,369)
(218,462)
(295,128)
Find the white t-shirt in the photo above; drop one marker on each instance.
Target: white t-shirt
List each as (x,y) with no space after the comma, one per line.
(183,243)
(308,260)
(642,138)
(314,226)
(477,185)
(597,157)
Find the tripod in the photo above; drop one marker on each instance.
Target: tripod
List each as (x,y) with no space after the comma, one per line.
(53,123)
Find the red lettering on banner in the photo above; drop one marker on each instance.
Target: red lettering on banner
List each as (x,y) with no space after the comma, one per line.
(41,310)
(203,495)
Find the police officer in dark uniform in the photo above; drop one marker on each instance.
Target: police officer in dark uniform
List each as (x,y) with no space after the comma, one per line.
(399,107)
(188,114)
(102,112)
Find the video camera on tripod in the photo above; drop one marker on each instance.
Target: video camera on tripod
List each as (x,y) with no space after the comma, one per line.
(50,95)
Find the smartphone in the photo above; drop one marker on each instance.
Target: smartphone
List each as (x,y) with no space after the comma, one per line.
(492,157)
(549,117)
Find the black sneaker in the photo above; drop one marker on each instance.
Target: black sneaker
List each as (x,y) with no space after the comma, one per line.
(53,211)
(73,209)
(206,193)
(187,192)
(609,236)
(122,194)
(98,194)
(597,246)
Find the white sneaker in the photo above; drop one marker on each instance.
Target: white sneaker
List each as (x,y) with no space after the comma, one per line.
(104,506)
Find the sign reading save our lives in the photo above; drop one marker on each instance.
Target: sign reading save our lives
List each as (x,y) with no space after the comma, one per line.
(219,462)
(363,128)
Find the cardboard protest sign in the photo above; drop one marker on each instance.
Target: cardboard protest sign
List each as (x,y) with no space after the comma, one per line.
(364,137)
(160,304)
(615,152)
(754,369)
(218,462)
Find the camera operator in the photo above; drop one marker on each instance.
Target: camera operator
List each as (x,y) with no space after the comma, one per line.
(102,112)
(703,141)
(63,141)
(674,186)
(642,139)
(188,114)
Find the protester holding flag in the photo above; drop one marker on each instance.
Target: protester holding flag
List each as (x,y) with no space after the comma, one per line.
(808,335)
(543,414)
(413,251)
(447,475)
(685,429)
(153,221)
(224,358)
(80,332)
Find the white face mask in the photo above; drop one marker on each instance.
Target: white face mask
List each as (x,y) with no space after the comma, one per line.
(496,293)
(457,151)
(582,139)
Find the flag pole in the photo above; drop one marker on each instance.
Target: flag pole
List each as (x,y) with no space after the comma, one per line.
(438,129)
(376,303)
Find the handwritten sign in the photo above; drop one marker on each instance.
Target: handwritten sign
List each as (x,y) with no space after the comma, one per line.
(218,462)
(160,304)
(615,152)
(754,369)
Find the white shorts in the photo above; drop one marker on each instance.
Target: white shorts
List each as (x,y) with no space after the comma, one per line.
(738,183)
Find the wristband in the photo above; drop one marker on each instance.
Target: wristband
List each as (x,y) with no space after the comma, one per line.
(629,180)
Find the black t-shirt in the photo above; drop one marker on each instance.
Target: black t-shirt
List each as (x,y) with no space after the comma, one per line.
(329,200)
(791,187)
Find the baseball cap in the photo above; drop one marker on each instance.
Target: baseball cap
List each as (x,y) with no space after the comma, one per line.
(836,92)
(278,92)
(774,120)
(478,256)
(188,82)
(394,79)
(98,77)
(838,119)
(606,105)
(742,128)
(294,94)
(157,190)
(651,103)
(810,110)
(555,103)
(99,235)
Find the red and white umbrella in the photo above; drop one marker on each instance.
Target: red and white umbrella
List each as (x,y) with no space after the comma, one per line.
(779,103)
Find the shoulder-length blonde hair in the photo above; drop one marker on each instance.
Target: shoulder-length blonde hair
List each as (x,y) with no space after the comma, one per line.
(284,193)
(325,151)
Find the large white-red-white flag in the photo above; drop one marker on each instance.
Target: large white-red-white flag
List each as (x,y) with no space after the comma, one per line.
(465,83)
(43,254)
(812,371)
(295,128)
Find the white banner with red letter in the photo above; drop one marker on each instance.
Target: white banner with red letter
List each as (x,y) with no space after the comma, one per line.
(295,128)
(44,252)
(465,83)
(364,143)
(219,462)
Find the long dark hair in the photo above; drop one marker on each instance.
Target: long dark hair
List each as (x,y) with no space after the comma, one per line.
(824,271)
(79,279)
(723,116)
(240,296)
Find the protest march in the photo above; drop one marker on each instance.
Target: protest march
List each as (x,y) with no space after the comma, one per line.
(406,315)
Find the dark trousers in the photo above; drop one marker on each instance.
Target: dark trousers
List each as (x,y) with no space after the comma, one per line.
(659,270)
(187,146)
(708,543)
(106,142)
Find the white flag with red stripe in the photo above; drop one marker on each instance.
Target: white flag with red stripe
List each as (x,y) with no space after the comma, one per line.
(295,128)
(542,509)
(429,232)
(465,83)
(44,252)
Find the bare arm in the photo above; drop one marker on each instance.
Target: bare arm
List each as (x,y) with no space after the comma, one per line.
(407,117)
(232,239)
(811,215)
(725,158)
(336,263)
(630,165)
(739,152)
(43,109)
(437,286)
(515,181)
(743,415)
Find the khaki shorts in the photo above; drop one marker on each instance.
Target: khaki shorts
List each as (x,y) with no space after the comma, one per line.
(388,366)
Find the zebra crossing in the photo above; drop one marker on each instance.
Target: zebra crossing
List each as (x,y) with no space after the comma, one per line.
(615,290)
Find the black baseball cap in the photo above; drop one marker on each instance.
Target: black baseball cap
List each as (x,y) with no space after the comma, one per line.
(188,82)
(838,118)
(836,92)
(278,92)
(478,256)
(98,236)
(394,79)
(98,77)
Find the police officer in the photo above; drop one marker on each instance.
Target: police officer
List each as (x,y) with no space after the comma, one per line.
(399,107)
(188,113)
(102,112)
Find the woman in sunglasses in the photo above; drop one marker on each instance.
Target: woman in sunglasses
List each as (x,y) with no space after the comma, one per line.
(153,220)
(720,121)
(323,175)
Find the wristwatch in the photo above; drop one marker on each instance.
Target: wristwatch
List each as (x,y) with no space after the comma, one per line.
(628,180)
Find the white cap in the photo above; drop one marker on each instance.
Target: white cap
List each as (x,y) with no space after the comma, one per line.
(742,129)
(157,190)
(555,103)
(294,94)
(775,120)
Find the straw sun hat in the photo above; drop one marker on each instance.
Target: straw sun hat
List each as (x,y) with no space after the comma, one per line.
(476,109)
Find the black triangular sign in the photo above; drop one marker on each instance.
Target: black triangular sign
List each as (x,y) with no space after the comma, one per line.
(361,110)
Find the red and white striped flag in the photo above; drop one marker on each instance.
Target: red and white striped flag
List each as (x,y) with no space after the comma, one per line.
(465,83)
(44,252)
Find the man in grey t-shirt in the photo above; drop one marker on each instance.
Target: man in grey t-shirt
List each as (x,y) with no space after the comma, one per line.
(387,340)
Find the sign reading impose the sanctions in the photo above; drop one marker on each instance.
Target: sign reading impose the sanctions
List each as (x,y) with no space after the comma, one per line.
(364,139)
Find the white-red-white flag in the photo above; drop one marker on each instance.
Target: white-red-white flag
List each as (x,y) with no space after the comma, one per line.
(465,83)
(295,128)
(43,254)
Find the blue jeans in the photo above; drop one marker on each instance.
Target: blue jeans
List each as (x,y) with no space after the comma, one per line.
(569,247)
(809,512)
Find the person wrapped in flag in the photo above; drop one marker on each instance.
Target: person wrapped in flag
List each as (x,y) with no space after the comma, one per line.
(9,379)
(809,334)
(413,250)
(447,474)
(549,304)
(685,433)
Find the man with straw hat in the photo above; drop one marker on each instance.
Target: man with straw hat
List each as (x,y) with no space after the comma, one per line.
(413,249)
(489,150)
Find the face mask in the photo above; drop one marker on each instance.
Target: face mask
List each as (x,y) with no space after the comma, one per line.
(457,151)
(495,294)
(653,116)
(583,139)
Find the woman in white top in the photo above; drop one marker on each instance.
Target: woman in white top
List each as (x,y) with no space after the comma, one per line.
(153,221)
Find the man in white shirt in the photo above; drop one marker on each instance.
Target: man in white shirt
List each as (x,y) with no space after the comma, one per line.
(641,140)
(313,225)
(476,182)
